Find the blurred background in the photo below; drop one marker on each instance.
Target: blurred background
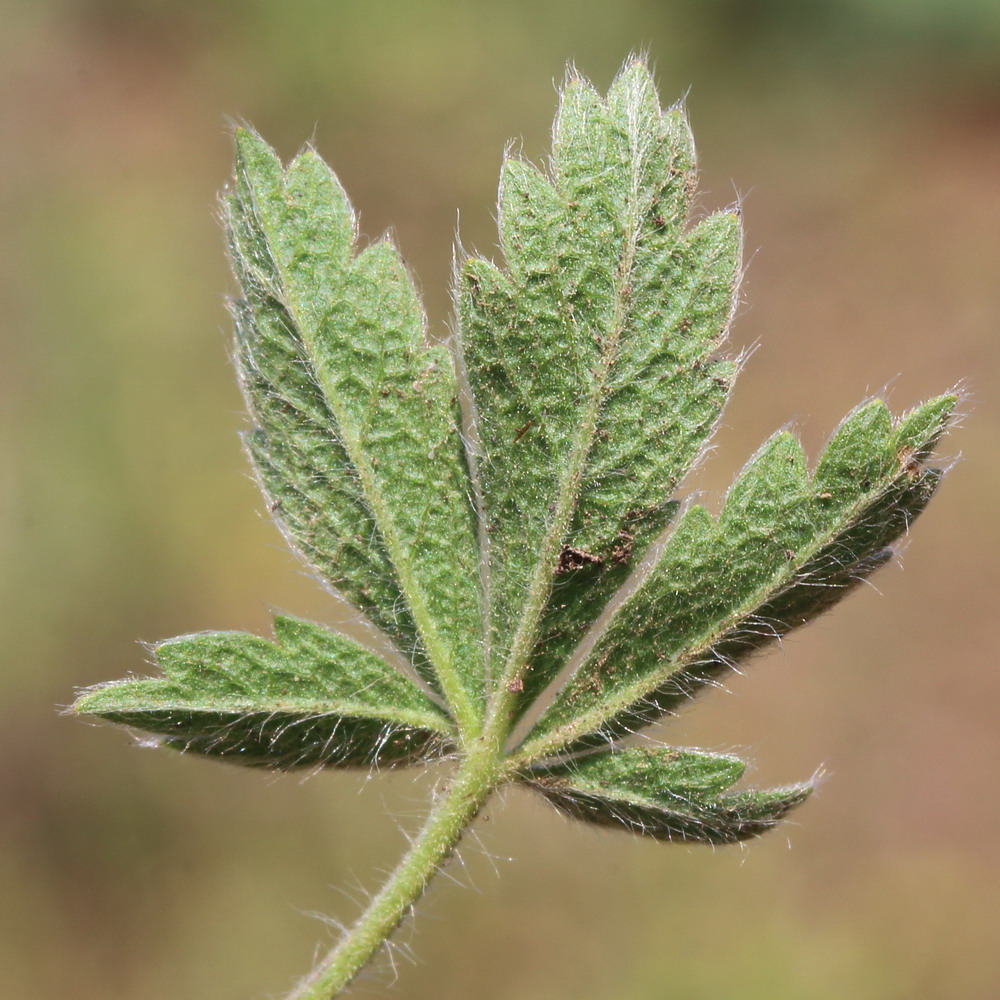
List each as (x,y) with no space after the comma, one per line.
(864,139)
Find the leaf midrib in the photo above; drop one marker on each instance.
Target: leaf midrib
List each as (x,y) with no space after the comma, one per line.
(624,797)
(466,713)
(569,489)
(306,710)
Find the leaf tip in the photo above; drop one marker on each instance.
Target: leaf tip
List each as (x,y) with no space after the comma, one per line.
(919,431)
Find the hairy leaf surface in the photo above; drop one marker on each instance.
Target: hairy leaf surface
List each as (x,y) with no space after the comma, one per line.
(503,508)
(666,794)
(786,547)
(311,699)
(356,441)
(589,363)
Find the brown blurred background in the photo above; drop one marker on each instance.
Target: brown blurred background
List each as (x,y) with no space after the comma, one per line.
(864,137)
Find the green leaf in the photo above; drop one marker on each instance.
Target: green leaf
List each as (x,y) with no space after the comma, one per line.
(311,699)
(356,439)
(523,540)
(503,508)
(786,547)
(666,794)
(590,365)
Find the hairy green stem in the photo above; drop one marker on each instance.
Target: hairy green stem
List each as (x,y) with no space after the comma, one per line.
(476,777)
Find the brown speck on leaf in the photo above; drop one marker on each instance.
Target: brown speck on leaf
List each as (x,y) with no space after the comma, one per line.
(517,684)
(622,551)
(601,667)
(909,463)
(552,781)
(571,559)
(523,430)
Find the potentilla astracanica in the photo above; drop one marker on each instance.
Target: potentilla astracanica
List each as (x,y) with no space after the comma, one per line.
(502,509)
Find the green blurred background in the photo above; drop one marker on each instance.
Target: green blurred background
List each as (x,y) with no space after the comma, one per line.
(864,138)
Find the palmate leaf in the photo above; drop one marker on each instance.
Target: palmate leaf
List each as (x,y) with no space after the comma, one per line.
(502,509)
